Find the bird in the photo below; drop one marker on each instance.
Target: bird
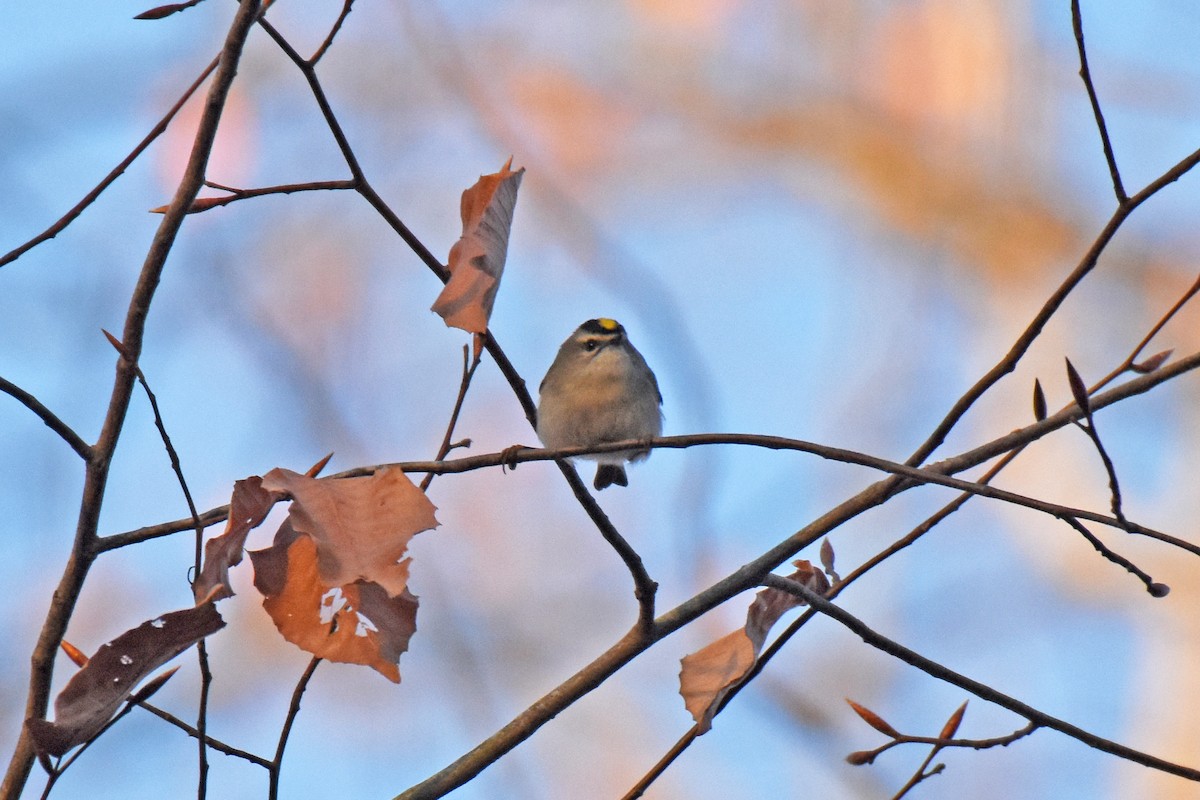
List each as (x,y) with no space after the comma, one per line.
(599,389)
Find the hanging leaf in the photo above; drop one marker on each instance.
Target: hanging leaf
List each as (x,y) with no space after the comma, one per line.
(96,692)
(358,623)
(707,675)
(477,259)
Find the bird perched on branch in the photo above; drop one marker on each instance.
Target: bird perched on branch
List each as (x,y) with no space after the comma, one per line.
(598,390)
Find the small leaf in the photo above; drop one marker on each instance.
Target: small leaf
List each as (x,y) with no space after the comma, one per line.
(873,719)
(951,726)
(74,653)
(1039,401)
(1078,387)
(860,757)
(1152,363)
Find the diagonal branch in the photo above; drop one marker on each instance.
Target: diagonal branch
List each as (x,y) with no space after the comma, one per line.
(65,431)
(117,171)
(893,648)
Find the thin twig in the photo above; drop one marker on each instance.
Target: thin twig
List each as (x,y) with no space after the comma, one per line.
(276,764)
(202,204)
(904,542)
(938,473)
(1086,75)
(981,690)
(201,649)
(337,26)
(116,172)
(65,432)
(468,372)
(1025,340)
(215,744)
(644,586)
(869,756)
(1155,589)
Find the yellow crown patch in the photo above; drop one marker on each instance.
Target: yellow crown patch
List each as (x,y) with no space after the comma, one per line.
(608,324)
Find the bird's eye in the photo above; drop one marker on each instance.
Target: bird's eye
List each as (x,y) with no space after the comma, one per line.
(589,345)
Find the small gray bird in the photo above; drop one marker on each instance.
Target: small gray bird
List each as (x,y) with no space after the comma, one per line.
(599,389)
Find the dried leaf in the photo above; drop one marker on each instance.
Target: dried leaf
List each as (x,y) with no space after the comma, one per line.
(248,507)
(358,623)
(951,726)
(361,526)
(1078,387)
(93,695)
(1152,363)
(1039,401)
(477,259)
(707,675)
(874,720)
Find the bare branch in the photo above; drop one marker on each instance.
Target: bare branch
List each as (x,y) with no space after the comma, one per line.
(116,172)
(976,688)
(1086,75)
(65,431)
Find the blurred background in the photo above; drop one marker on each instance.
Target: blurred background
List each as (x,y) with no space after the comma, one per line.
(819,219)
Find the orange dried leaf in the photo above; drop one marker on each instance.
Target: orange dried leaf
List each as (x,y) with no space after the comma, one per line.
(358,623)
(477,259)
(874,720)
(361,526)
(707,675)
(951,726)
